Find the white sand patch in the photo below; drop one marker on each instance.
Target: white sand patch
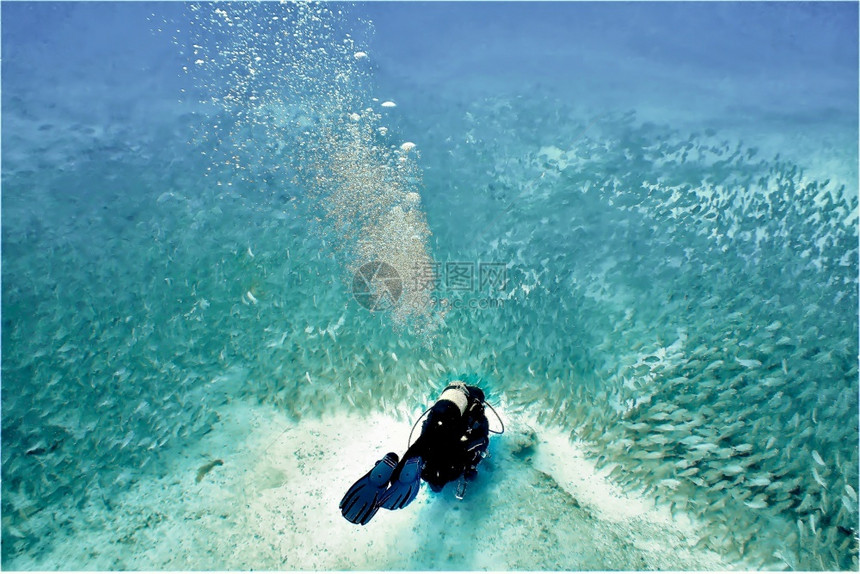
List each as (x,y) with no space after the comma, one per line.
(555,155)
(567,463)
(273,504)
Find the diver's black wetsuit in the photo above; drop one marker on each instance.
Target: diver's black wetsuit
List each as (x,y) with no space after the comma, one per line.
(452,442)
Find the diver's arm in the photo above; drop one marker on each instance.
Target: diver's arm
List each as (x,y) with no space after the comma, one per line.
(476,447)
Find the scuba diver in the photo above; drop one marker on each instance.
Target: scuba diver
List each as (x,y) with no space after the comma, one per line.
(454,439)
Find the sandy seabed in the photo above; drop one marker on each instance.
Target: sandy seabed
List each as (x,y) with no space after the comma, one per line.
(538,504)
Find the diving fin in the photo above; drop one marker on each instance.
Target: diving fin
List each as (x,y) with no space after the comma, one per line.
(404,488)
(361,501)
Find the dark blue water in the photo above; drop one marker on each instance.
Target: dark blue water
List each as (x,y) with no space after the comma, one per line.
(769,69)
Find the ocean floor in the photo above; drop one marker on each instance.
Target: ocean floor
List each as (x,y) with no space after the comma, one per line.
(538,504)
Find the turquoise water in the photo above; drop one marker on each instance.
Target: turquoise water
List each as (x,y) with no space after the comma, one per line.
(640,221)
